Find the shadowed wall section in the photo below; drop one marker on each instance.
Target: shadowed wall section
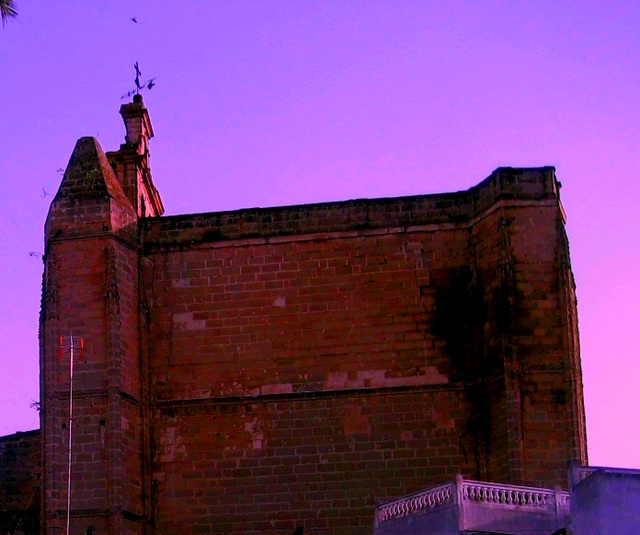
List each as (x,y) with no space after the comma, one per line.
(20,483)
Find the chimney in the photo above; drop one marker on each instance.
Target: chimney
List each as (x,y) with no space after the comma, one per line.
(131,162)
(138,125)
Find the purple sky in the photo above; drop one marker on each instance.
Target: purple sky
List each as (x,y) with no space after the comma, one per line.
(265,102)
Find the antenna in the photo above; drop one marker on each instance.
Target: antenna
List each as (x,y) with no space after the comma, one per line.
(70,345)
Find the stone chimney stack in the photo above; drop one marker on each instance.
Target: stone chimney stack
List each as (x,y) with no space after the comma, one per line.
(131,162)
(138,125)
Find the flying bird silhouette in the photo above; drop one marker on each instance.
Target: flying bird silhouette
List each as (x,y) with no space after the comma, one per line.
(134,20)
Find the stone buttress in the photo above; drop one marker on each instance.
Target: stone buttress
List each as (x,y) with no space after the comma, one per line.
(90,292)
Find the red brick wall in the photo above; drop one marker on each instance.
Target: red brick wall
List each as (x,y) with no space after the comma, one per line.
(321,461)
(91,290)
(324,314)
(260,370)
(20,483)
(97,301)
(257,313)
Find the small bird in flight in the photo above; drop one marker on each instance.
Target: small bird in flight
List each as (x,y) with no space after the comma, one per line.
(134,20)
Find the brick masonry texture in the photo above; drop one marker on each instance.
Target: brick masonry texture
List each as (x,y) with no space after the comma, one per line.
(19,482)
(319,461)
(260,370)
(348,313)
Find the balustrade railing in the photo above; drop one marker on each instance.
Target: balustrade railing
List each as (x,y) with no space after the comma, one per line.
(427,499)
(460,491)
(507,494)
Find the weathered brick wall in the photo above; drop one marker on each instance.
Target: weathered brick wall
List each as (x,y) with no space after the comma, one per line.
(310,315)
(260,370)
(456,301)
(91,290)
(315,461)
(546,356)
(96,299)
(20,483)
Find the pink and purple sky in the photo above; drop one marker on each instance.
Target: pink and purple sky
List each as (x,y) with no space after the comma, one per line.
(273,102)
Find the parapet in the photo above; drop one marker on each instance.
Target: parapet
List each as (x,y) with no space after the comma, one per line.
(458,208)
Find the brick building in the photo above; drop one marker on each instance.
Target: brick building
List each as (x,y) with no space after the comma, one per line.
(261,370)
(20,483)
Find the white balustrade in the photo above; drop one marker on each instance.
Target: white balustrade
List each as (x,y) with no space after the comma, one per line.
(427,499)
(507,494)
(472,491)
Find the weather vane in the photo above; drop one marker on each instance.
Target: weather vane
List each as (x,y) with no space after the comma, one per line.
(139,86)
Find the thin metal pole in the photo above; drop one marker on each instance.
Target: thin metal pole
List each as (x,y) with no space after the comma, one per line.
(70,429)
